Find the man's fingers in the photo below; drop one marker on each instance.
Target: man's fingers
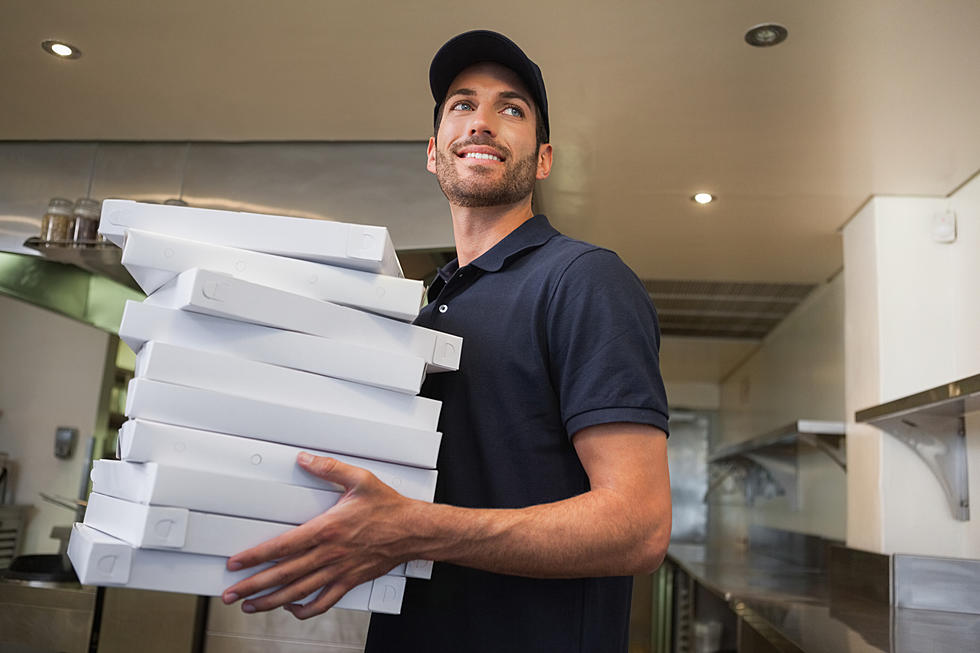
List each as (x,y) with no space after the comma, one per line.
(326,600)
(299,539)
(331,469)
(291,593)
(279,574)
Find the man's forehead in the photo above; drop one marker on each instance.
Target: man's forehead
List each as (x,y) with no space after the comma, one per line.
(487,72)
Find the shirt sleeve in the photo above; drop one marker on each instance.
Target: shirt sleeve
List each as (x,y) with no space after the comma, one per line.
(604,346)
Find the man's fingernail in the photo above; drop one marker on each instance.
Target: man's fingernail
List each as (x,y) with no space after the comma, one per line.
(248,607)
(230,597)
(305,458)
(234,566)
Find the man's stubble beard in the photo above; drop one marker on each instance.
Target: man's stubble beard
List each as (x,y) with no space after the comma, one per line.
(516,185)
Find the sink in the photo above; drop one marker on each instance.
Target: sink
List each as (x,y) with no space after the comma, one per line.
(41,567)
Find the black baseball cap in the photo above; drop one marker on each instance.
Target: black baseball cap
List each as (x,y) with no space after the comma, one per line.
(478,46)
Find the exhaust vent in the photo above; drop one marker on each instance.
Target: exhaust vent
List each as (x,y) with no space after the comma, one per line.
(721,309)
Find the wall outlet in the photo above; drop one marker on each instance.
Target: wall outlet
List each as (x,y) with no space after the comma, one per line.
(944,227)
(65,438)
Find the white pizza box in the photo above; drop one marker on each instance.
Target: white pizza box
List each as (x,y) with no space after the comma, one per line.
(154,259)
(166,527)
(189,531)
(168,485)
(160,361)
(210,410)
(143,441)
(100,559)
(143,322)
(360,247)
(222,295)
(419,569)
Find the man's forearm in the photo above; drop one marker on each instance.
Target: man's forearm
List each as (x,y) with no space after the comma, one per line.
(598,533)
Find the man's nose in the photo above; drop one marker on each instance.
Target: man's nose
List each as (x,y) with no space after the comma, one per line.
(481,122)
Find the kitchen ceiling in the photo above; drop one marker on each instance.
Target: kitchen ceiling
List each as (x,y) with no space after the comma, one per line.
(650,103)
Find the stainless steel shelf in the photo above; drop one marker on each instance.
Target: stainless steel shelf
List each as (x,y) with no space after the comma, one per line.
(768,465)
(932,424)
(97,257)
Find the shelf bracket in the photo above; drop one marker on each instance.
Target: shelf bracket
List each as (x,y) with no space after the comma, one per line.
(836,454)
(940,441)
(716,482)
(773,476)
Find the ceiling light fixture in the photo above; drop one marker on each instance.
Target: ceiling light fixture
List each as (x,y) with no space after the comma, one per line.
(61,50)
(766,35)
(703,198)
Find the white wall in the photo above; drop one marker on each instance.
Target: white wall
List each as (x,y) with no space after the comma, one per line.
(797,373)
(52,370)
(913,322)
(695,395)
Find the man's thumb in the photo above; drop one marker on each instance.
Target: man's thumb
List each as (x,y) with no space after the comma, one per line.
(331,469)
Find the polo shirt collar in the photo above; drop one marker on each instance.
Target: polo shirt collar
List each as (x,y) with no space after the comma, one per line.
(532,233)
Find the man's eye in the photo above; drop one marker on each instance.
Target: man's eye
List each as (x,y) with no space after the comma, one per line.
(514,111)
(461,106)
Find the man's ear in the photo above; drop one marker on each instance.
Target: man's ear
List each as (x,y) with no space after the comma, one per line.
(430,154)
(545,157)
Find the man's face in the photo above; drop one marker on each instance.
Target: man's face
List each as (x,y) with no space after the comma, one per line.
(486,153)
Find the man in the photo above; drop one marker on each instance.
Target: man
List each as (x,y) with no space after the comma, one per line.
(553,484)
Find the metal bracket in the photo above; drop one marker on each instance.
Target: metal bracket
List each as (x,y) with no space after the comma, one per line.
(773,476)
(760,477)
(769,465)
(940,441)
(932,424)
(837,454)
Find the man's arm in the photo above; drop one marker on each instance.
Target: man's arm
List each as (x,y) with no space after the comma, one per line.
(621,526)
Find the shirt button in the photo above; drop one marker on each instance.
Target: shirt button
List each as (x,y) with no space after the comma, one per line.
(443,308)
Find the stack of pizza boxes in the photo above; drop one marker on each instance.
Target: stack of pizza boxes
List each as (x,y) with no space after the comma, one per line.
(261,337)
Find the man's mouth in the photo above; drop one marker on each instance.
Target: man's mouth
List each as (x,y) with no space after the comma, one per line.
(480,152)
(480,155)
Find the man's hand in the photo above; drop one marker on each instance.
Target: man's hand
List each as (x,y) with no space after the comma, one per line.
(621,526)
(358,540)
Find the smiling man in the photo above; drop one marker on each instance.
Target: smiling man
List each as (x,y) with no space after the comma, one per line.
(553,486)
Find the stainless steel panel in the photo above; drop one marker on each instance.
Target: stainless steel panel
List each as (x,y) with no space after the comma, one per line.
(687,451)
(935,632)
(340,628)
(856,574)
(45,618)
(807,551)
(150,622)
(139,171)
(926,583)
(239,644)
(372,183)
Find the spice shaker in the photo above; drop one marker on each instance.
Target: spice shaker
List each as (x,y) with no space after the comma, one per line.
(86,226)
(57,221)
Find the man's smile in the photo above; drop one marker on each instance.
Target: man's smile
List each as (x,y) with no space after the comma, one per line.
(481,153)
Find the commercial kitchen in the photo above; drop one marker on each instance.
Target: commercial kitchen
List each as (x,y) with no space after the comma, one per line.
(797,186)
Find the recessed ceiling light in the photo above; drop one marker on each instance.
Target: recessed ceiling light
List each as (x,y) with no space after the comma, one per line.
(703,198)
(766,35)
(61,49)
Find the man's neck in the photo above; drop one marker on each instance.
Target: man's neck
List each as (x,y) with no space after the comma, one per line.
(477,229)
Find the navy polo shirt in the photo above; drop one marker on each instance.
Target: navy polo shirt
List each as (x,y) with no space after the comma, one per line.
(558,335)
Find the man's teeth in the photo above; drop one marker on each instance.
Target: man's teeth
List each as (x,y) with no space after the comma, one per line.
(480,155)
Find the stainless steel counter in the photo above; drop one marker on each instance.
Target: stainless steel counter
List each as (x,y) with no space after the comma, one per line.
(796,602)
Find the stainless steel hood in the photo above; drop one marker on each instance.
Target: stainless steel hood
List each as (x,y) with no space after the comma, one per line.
(372,183)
